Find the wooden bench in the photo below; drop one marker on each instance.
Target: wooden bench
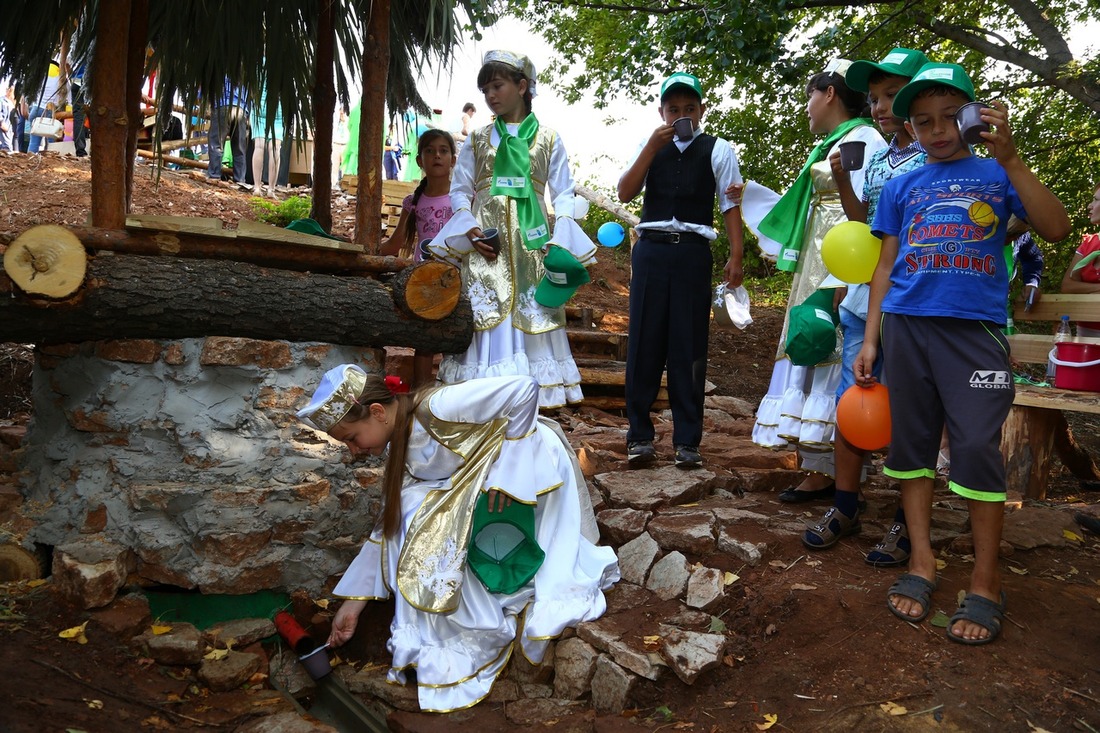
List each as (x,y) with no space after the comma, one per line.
(1027,441)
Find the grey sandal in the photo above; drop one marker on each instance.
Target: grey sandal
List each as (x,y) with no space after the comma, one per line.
(887,554)
(915,588)
(823,530)
(981,611)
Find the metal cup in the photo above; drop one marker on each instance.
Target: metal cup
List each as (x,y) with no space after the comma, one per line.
(851,154)
(969,119)
(491,237)
(684,128)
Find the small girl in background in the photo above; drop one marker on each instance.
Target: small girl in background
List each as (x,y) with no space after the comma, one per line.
(423,214)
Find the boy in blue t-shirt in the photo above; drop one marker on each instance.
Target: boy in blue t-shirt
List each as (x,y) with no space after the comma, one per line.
(937,304)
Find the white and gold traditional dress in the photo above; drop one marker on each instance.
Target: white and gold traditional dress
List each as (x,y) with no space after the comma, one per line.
(468,438)
(799,409)
(513,334)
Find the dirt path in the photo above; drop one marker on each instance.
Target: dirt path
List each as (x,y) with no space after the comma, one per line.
(810,639)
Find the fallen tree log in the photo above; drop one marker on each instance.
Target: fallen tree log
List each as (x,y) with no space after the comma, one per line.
(170,298)
(227,245)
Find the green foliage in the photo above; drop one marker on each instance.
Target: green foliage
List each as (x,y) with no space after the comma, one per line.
(754,60)
(282,213)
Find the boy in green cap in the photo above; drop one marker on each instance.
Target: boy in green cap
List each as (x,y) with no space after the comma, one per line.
(881,81)
(684,172)
(937,308)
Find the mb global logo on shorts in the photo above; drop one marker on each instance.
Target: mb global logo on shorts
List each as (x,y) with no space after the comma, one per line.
(989,379)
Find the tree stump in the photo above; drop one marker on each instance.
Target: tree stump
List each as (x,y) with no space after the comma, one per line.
(46,260)
(429,290)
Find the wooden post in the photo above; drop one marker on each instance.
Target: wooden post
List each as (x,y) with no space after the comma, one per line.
(109,115)
(375,75)
(324,104)
(135,73)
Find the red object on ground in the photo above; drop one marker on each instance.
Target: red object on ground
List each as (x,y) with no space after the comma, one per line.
(288,628)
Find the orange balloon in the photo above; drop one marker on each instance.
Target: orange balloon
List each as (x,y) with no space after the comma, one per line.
(863,416)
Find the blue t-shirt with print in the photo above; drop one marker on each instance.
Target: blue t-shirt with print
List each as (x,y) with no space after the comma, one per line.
(950,221)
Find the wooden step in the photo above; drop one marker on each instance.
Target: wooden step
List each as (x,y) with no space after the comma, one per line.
(597,343)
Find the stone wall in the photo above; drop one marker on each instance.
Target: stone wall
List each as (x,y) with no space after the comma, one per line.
(185,459)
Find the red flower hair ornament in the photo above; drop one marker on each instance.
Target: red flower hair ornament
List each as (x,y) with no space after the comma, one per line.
(396,384)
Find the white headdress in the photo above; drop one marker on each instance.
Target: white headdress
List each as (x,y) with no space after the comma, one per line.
(517,61)
(340,388)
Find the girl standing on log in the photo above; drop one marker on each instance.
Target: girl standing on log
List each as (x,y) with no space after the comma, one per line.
(486,527)
(499,182)
(424,213)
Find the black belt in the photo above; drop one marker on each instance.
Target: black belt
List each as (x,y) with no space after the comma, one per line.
(673,237)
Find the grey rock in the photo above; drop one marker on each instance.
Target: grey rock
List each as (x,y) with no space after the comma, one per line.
(183,645)
(734,406)
(239,632)
(669,576)
(705,588)
(89,572)
(229,672)
(1033,527)
(636,557)
(601,634)
(746,551)
(611,686)
(575,663)
(285,723)
(372,681)
(690,653)
(652,487)
(689,531)
(618,526)
(287,672)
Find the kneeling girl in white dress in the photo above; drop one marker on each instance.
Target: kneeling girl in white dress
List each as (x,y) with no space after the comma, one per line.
(486,527)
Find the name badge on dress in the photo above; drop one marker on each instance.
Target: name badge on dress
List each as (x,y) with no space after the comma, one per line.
(511,181)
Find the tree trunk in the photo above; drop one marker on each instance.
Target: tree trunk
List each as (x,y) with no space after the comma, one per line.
(171,298)
(324,104)
(375,76)
(109,115)
(1075,458)
(262,252)
(429,290)
(135,73)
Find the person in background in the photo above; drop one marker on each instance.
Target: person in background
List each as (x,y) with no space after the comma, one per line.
(7,123)
(1083,273)
(799,408)
(44,105)
(228,118)
(391,154)
(684,175)
(465,123)
(267,134)
(340,136)
(424,212)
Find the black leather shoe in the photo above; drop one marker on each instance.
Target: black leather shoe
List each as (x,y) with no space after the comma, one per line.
(794,496)
(1088,522)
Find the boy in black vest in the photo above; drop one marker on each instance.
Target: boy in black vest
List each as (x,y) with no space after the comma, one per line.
(683,171)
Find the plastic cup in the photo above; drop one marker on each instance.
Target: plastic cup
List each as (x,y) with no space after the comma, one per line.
(969,119)
(851,155)
(492,238)
(317,663)
(684,128)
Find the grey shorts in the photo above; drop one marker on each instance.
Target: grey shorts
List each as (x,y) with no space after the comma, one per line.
(953,372)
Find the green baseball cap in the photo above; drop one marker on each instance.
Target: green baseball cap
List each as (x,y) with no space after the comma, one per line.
(811,331)
(503,552)
(682,80)
(932,75)
(899,62)
(564,274)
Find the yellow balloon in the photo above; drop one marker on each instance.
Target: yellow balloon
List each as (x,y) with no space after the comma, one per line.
(850,251)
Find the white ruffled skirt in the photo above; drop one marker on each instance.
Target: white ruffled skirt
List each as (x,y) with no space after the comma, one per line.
(799,411)
(507,351)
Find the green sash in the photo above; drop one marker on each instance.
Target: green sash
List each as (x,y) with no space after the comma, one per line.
(786,222)
(512,178)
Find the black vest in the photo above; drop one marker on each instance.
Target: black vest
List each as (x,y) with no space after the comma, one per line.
(681,185)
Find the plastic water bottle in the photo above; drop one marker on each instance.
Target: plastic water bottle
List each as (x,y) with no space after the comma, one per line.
(1064,333)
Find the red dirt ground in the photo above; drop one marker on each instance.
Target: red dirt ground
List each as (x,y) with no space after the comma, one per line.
(811,641)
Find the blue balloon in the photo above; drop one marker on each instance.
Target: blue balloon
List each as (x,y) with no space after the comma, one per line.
(610,234)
